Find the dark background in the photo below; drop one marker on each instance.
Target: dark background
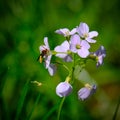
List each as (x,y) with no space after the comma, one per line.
(23,25)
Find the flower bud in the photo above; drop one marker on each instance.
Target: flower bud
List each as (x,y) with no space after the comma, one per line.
(86,91)
(63,89)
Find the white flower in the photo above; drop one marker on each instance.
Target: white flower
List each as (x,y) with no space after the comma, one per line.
(83,31)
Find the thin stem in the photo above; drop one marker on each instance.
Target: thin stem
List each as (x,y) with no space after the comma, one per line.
(54,52)
(116,110)
(73,67)
(60,108)
(64,66)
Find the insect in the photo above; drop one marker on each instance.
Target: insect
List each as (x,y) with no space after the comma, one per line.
(40,58)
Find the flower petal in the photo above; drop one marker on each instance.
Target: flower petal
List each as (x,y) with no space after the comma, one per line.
(85,44)
(63,48)
(75,40)
(83,29)
(46,42)
(73,31)
(93,34)
(83,53)
(83,93)
(63,31)
(52,69)
(90,40)
(47,61)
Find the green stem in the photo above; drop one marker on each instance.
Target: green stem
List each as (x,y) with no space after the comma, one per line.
(60,108)
(116,110)
(63,66)
(73,67)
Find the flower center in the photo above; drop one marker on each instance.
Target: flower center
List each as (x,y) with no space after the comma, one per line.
(86,35)
(78,46)
(67,33)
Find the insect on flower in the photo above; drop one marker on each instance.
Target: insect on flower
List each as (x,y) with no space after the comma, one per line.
(41,56)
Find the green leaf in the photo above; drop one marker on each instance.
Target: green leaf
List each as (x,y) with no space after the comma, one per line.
(83,76)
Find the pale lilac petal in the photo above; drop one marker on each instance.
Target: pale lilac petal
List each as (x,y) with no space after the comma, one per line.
(63,31)
(83,53)
(46,42)
(86,92)
(75,39)
(83,29)
(60,50)
(52,69)
(83,93)
(85,44)
(73,48)
(65,45)
(63,48)
(47,61)
(90,40)
(73,31)
(93,34)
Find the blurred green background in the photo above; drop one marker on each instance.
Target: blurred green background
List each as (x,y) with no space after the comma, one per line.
(23,25)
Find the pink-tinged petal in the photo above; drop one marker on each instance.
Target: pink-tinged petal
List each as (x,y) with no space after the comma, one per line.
(46,42)
(91,40)
(83,53)
(85,44)
(93,34)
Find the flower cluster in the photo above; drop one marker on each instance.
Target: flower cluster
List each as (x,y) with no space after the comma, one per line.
(75,49)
